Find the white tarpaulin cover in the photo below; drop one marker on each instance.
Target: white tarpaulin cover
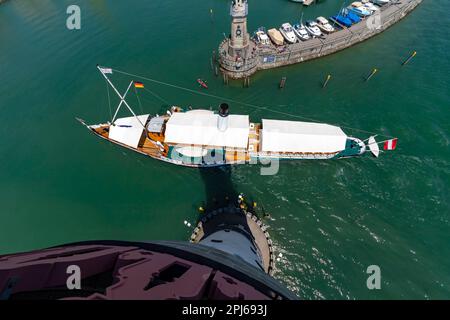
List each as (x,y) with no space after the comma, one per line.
(128,130)
(199,127)
(296,136)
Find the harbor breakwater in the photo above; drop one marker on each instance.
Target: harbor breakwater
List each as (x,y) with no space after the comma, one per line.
(258,57)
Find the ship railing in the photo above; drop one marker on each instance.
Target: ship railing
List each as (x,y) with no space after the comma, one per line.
(296,155)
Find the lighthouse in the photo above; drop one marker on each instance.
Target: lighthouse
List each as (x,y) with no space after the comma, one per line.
(240,39)
(238,53)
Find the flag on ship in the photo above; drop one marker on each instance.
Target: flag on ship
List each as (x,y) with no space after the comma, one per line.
(390,144)
(138,84)
(106,70)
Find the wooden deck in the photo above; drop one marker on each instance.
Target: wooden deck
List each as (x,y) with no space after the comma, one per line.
(254,137)
(151,149)
(146,146)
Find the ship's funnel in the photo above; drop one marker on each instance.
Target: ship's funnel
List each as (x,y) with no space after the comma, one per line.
(222,122)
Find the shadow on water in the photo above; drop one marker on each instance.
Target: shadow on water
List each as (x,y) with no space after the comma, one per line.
(220,192)
(227,209)
(219,189)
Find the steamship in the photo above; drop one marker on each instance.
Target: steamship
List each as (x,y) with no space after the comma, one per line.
(204,138)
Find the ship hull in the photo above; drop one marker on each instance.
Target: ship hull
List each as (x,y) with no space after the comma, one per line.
(249,158)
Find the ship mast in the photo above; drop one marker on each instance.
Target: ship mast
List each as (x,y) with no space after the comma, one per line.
(122,98)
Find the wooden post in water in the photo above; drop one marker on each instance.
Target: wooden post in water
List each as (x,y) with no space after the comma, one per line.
(225,78)
(410,58)
(213,60)
(372,74)
(247,82)
(326,81)
(282,82)
(216,70)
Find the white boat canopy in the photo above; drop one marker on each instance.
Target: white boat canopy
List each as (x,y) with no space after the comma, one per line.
(374,147)
(199,127)
(128,130)
(296,136)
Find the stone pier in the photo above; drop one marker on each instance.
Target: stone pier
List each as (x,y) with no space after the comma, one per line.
(253,56)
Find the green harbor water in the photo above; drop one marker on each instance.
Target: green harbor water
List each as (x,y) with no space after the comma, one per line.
(330,220)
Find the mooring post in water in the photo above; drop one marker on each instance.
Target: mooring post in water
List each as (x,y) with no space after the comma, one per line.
(326,81)
(216,70)
(246,82)
(410,58)
(225,78)
(211,13)
(282,82)
(372,74)
(213,60)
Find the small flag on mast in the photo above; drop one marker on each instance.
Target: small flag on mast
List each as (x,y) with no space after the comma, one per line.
(390,144)
(138,84)
(106,70)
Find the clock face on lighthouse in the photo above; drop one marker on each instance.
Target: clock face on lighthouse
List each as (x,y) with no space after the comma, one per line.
(238,32)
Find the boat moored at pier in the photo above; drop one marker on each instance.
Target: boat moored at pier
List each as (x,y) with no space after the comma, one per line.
(324,25)
(361,10)
(288,32)
(353,24)
(276,37)
(301,32)
(261,37)
(313,28)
